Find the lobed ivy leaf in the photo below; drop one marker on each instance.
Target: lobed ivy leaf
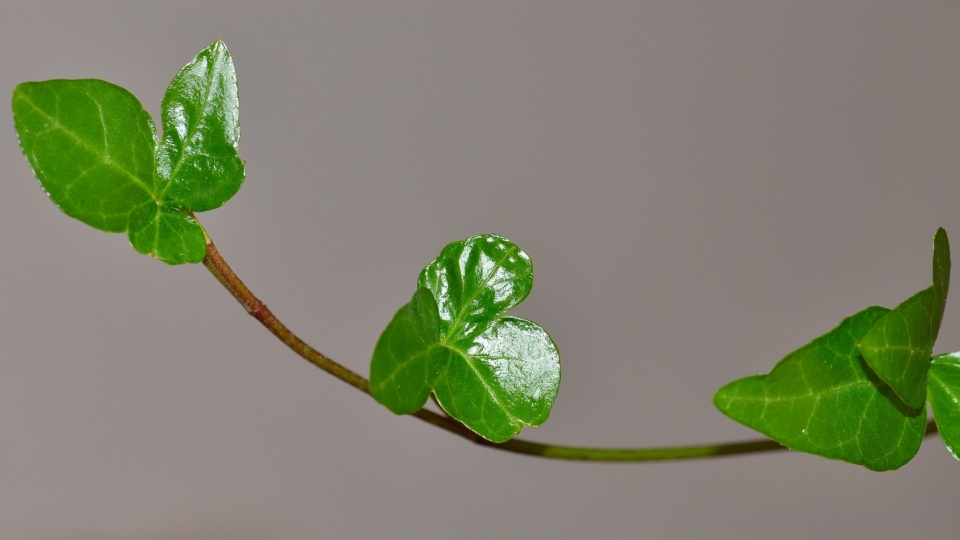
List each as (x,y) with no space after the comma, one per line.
(95,151)
(899,346)
(495,374)
(824,399)
(944,395)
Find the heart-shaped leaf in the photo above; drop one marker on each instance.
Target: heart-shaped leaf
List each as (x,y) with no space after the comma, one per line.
(95,151)
(898,348)
(495,374)
(944,395)
(823,399)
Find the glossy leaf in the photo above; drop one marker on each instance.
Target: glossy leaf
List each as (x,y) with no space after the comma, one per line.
(823,399)
(944,396)
(898,348)
(495,374)
(95,151)
(91,145)
(168,234)
(197,162)
(475,280)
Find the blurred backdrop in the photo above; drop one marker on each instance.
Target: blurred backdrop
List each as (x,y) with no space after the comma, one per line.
(703,188)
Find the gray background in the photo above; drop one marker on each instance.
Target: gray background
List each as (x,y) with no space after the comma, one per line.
(703,188)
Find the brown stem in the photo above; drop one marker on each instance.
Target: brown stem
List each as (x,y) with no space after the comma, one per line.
(225,275)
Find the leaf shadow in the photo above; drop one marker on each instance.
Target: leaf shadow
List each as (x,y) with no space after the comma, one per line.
(888,392)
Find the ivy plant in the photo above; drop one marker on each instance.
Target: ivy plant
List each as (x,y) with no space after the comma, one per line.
(495,374)
(96,153)
(858,393)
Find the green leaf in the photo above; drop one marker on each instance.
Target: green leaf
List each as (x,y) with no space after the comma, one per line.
(91,145)
(95,151)
(197,162)
(475,280)
(944,395)
(408,356)
(495,374)
(823,399)
(898,348)
(168,234)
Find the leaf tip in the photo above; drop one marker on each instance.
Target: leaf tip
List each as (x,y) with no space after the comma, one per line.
(218,46)
(18,89)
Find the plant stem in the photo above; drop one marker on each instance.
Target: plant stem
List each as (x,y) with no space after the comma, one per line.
(646,454)
(225,275)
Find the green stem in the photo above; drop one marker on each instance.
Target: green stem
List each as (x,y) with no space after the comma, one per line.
(639,454)
(225,275)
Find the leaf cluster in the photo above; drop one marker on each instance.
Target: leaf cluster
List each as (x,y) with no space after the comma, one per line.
(858,393)
(96,153)
(495,374)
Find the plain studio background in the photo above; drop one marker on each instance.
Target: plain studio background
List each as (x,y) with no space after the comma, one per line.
(703,189)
